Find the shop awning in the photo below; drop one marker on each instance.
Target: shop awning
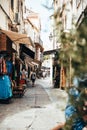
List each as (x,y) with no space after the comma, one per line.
(28,51)
(18,38)
(36,62)
(19,60)
(31,61)
(30,64)
(49,52)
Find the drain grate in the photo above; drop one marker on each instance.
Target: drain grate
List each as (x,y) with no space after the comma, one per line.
(37,107)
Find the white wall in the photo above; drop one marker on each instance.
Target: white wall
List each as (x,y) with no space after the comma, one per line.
(4,19)
(48,63)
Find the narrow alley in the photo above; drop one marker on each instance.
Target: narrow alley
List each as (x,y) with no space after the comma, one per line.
(41,107)
(43,42)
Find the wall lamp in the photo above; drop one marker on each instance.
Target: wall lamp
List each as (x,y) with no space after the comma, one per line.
(50,37)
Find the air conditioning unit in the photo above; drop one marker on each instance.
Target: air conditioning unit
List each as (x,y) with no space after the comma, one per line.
(17,18)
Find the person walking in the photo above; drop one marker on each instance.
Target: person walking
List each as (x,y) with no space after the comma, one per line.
(24,75)
(33,78)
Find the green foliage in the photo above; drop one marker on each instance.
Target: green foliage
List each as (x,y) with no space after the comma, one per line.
(46,57)
(74,46)
(73,53)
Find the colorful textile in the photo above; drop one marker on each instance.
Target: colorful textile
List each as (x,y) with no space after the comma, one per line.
(5,87)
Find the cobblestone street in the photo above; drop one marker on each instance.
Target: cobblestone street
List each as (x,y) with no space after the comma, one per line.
(38,109)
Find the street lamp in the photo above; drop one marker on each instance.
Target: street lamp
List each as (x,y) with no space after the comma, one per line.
(52,40)
(50,37)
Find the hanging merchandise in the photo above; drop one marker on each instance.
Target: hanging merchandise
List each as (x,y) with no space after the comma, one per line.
(4,66)
(14,75)
(5,82)
(9,68)
(19,84)
(3,69)
(1,65)
(5,87)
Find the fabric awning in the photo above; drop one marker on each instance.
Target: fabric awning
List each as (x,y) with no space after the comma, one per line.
(18,38)
(30,64)
(36,62)
(49,52)
(28,51)
(29,60)
(19,60)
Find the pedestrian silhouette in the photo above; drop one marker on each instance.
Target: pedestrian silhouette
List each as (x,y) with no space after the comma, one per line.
(33,78)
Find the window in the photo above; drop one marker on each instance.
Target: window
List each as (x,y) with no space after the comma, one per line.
(12,4)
